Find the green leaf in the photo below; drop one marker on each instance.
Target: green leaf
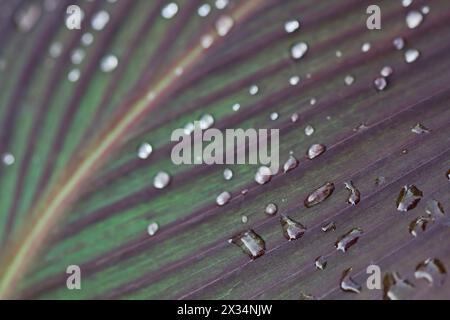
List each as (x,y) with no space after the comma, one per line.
(75,192)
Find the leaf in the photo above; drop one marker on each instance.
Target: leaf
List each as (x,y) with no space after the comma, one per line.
(78,194)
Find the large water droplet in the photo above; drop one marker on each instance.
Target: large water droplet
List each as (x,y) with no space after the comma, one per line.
(419,224)
(224,25)
(152,228)
(408,198)
(349,239)
(347,283)
(8,159)
(354,195)
(271,209)
(169,11)
(411,55)
(145,150)
(291,26)
(263,175)
(223,198)
(414,19)
(290,164)
(315,150)
(319,195)
(204,10)
(299,50)
(431,270)
(161,180)
(292,229)
(109,63)
(396,288)
(250,242)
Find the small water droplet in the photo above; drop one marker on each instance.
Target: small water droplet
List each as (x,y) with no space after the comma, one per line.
(315,150)
(411,55)
(152,229)
(87,39)
(406,3)
(224,25)
(408,198)
(204,10)
(435,209)
(77,56)
(161,180)
(109,63)
(290,164)
(8,159)
(306,296)
(291,26)
(349,80)
(330,226)
(419,129)
(145,150)
(347,283)
(349,239)
(244,192)
(414,19)
(294,117)
(320,263)
(223,198)
(431,270)
(298,50)
(396,288)
(294,80)
(169,11)
(236,107)
(206,121)
(380,83)
(399,43)
(55,49)
(271,209)
(365,47)
(354,195)
(250,242)
(380,180)
(319,195)
(425,10)
(338,53)
(74,75)
(100,20)
(292,230)
(221,4)
(309,130)
(263,175)
(227,174)
(312,101)
(27,17)
(244,219)
(360,127)
(274,116)
(419,224)
(206,41)
(386,71)
(253,90)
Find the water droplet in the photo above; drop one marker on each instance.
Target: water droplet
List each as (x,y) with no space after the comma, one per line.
(223,198)
(271,209)
(161,180)
(347,283)
(236,107)
(380,180)
(349,239)
(408,198)
(380,83)
(294,117)
(319,195)
(100,20)
(406,3)
(250,242)
(109,63)
(435,209)
(224,25)
(77,56)
(55,49)
(87,39)
(309,130)
(152,228)
(244,192)
(365,47)
(431,270)
(227,174)
(294,80)
(207,41)
(291,26)
(244,219)
(419,129)
(263,175)
(188,128)
(396,288)
(320,263)
(338,53)
(399,43)
(290,164)
(221,4)
(292,230)
(274,116)
(315,150)
(312,101)
(8,159)
(425,10)
(419,224)
(360,127)
(298,50)
(204,10)
(386,71)
(448,174)
(306,296)
(145,150)
(411,55)
(169,11)
(330,226)
(74,75)
(27,17)
(354,195)
(206,121)
(414,19)
(253,90)
(349,80)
